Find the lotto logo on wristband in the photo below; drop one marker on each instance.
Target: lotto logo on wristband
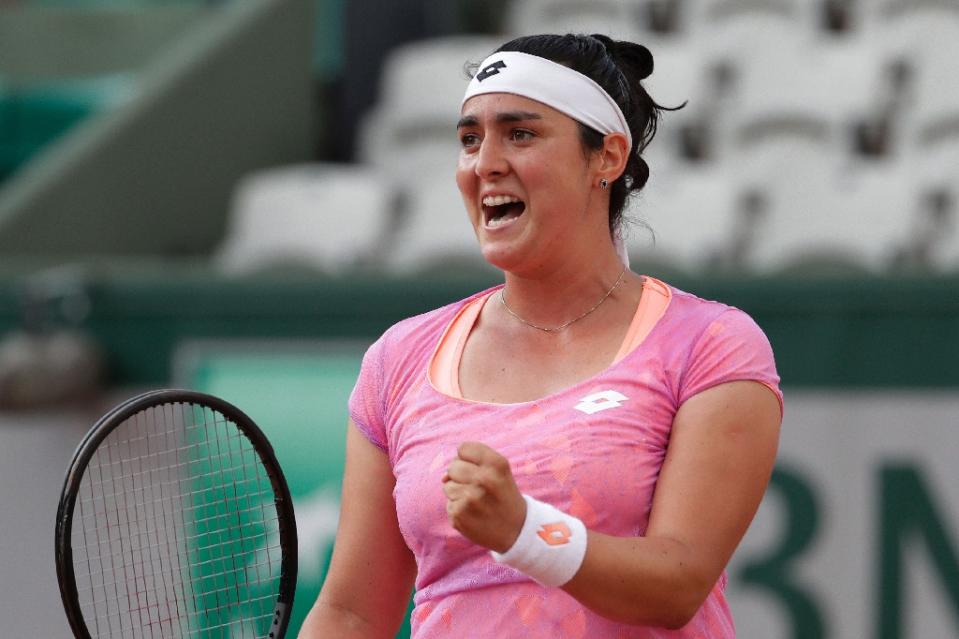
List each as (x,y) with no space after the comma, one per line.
(550,547)
(555,534)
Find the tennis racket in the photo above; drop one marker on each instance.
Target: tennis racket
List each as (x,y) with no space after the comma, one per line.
(176,521)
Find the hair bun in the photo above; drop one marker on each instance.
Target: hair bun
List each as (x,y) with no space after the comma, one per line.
(636,56)
(634,59)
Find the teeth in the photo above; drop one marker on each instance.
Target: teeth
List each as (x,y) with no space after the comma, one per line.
(499,200)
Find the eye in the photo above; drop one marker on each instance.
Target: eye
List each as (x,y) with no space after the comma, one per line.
(521,135)
(468,140)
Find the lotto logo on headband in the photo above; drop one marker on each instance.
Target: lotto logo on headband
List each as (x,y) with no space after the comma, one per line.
(555,534)
(490,69)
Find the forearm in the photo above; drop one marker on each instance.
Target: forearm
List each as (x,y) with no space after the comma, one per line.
(326,619)
(371,573)
(640,580)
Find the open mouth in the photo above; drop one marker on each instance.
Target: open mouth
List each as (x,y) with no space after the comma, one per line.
(501,209)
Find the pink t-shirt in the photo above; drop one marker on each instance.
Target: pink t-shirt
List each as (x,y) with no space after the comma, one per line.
(593,450)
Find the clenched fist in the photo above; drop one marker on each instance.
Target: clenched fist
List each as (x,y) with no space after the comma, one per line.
(482,500)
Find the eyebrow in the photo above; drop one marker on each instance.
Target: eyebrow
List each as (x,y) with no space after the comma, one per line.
(507,116)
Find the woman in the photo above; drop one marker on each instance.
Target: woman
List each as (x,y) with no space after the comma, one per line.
(575,453)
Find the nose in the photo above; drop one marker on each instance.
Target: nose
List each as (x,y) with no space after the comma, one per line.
(490,159)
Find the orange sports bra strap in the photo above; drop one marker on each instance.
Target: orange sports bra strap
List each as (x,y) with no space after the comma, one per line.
(652,306)
(445,363)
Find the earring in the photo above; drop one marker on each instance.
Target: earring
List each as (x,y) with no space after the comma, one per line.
(604,183)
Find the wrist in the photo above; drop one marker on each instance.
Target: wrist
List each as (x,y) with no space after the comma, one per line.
(550,547)
(514,525)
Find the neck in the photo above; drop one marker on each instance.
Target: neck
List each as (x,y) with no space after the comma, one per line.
(551,298)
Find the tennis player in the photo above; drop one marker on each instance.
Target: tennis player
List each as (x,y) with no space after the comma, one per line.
(578,451)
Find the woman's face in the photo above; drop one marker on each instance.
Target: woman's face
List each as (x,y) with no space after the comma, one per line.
(525,180)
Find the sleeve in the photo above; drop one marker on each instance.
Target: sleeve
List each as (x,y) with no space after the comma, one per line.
(731,348)
(366,405)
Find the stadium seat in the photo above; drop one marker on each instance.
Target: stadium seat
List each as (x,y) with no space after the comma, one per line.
(950,247)
(679,76)
(436,234)
(829,88)
(779,77)
(736,29)
(933,153)
(877,127)
(320,217)
(822,220)
(916,28)
(620,19)
(933,149)
(931,245)
(931,122)
(688,216)
(413,125)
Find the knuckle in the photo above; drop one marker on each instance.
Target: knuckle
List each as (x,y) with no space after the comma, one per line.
(496,476)
(499,462)
(488,478)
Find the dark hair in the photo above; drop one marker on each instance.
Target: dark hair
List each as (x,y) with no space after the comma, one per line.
(618,67)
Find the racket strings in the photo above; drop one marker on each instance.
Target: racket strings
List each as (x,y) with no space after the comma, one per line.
(205,508)
(197,450)
(202,564)
(227,629)
(270,598)
(176,532)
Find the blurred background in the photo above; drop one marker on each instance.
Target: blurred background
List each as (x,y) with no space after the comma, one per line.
(238,196)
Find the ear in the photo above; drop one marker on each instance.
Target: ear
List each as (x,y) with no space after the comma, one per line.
(611,159)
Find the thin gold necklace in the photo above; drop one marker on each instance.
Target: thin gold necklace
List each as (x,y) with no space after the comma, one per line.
(546,329)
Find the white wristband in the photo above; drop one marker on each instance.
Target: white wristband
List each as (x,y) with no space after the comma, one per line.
(550,547)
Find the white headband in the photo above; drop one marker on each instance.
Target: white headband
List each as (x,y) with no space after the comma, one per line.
(554,85)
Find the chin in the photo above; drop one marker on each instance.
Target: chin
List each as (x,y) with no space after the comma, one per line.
(508,260)
(500,257)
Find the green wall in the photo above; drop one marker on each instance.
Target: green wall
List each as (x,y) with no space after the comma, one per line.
(853,334)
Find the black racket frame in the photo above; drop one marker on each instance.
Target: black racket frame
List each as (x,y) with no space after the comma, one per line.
(111,420)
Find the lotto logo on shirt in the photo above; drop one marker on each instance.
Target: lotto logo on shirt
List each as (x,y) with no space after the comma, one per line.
(602,400)
(556,534)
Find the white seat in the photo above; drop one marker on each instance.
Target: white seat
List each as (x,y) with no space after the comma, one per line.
(407,152)
(690,212)
(321,216)
(932,242)
(948,259)
(931,123)
(846,76)
(427,78)
(914,28)
(679,76)
(413,126)
(436,232)
(820,215)
(795,91)
(739,30)
(932,153)
(933,148)
(881,200)
(619,19)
